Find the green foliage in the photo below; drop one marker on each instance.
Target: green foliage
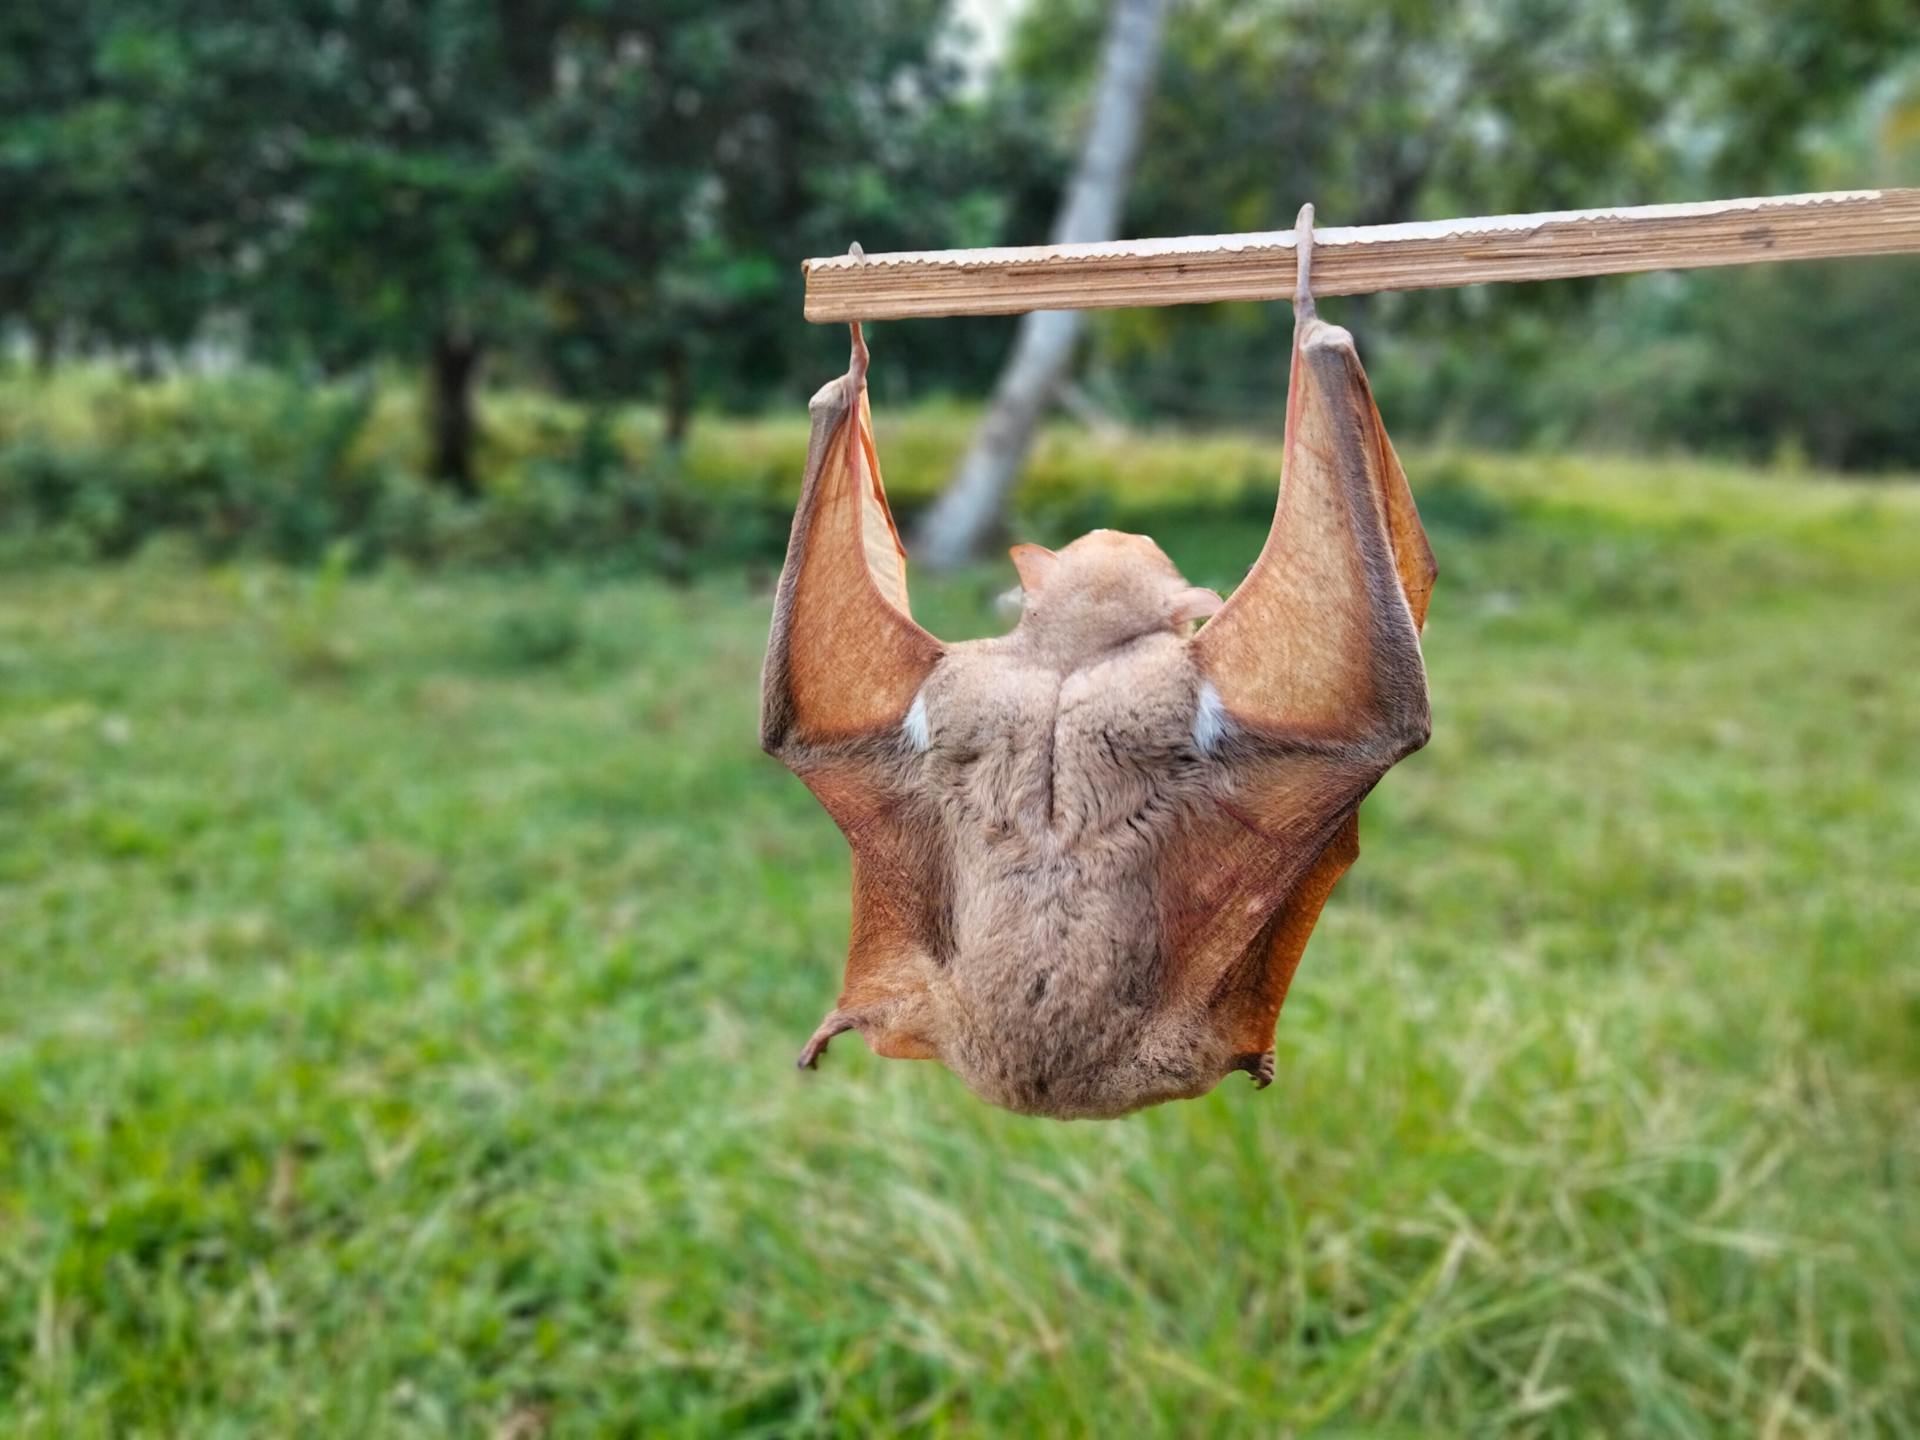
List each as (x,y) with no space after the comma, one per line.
(608,200)
(257,464)
(1820,359)
(308,626)
(538,635)
(131,168)
(253,462)
(407,1049)
(1386,112)
(609,195)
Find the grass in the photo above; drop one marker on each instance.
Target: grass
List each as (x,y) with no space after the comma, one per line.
(400,979)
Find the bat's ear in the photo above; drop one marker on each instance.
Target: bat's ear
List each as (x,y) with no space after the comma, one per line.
(1035,563)
(1195,602)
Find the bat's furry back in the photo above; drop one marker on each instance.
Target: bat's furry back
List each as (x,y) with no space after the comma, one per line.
(1087,854)
(1050,785)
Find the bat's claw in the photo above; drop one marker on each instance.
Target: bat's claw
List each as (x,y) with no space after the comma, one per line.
(816,1046)
(1260,1067)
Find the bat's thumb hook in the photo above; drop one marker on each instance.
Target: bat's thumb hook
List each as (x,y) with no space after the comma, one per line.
(857,366)
(1303,264)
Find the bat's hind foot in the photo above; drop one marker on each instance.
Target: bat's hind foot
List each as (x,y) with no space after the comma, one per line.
(816,1046)
(1260,1067)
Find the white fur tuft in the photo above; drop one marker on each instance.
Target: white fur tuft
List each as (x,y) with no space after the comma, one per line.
(919,736)
(1211,723)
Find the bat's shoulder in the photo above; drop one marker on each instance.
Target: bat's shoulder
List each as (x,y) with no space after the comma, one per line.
(1131,695)
(972,672)
(1140,697)
(986,684)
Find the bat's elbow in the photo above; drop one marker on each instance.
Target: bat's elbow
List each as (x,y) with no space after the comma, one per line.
(1413,732)
(773,736)
(1400,735)
(776,719)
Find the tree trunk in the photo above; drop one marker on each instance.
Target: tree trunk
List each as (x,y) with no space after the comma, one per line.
(679,412)
(455,365)
(46,349)
(959,522)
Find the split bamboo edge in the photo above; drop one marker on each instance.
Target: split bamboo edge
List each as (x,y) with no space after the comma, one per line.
(1355,260)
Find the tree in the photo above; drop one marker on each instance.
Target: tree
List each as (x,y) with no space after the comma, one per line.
(613,192)
(958,522)
(440,198)
(1402,110)
(126,170)
(1383,110)
(814,124)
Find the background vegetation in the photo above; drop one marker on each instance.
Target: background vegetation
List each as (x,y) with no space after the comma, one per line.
(404,946)
(607,200)
(404,975)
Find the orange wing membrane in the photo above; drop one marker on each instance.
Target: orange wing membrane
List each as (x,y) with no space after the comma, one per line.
(1316,663)
(844,662)
(845,657)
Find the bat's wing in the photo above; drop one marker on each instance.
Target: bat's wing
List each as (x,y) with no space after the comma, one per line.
(1318,650)
(1315,664)
(844,663)
(845,659)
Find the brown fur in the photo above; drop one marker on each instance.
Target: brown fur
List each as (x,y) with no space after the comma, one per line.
(1071,887)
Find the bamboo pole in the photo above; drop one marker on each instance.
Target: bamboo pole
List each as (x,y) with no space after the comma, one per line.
(1357,259)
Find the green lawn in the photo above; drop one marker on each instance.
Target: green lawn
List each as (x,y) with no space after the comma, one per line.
(400,979)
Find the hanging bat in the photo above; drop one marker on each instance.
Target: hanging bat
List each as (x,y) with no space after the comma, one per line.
(1087,854)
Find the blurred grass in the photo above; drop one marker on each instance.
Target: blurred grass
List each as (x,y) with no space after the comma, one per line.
(402,977)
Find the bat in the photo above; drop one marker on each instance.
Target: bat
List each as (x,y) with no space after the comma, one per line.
(1087,855)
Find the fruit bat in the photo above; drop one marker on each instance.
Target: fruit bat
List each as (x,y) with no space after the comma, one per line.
(1087,854)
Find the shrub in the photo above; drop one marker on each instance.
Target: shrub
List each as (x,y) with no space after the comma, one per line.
(93,466)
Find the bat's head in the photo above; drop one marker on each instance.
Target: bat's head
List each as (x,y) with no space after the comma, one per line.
(1103,590)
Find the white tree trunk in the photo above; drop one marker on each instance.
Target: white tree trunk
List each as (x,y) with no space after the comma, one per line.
(955,526)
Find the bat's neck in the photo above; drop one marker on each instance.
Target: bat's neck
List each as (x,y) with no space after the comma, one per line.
(1057,643)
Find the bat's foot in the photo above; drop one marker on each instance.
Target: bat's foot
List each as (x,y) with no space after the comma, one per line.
(1260,1067)
(816,1046)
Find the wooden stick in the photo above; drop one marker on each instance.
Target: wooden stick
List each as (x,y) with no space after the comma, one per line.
(1357,259)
